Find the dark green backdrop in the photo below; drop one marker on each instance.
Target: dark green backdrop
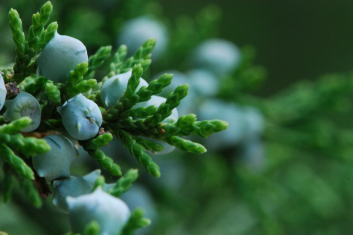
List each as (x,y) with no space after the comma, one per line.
(295,40)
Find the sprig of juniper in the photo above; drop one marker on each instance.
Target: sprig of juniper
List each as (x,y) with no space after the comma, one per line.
(135,222)
(38,37)
(128,124)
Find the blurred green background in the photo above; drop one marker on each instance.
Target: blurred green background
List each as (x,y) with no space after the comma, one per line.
(294,39)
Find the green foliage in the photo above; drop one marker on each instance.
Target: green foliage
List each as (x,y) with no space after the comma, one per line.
(92,229)
(185,145)
(15,162)
(124,183)
(187,125)
(31,192)
(96,60)
(38,37)
(136,221)
(138,151)
(141,56)
(53,93)
(99,183)
(7,187)
(105,162)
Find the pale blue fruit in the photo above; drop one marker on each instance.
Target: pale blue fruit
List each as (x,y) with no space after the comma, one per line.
(24,105)
(219,56)
(229,112)
(115,87)
(55,163)
(73,186)
(139,197)
(91,178)
(157,101)
(254,122)
(81,117)
(203,82)
(109,212)
(3,92)
(60,56)
(136,31)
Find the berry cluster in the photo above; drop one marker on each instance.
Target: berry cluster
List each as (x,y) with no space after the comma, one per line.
(59,102)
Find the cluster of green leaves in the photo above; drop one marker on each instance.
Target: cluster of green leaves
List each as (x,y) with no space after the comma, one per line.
(38,37)
(15,150)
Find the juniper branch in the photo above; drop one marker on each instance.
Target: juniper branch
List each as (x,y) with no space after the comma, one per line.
(142,112)
(135,222)
(100,141)
(138,152)
(15,126)
(75,77)
(99,183)
(53,92)
(124,183)
(92,228)
(7,186)
(141,56)
(96,60)
(117,63)
(185,145)
(39,20)
(149,145)
(154,87)
(33,84)
(143,94)
(165,109)
(28,146)
(28,187)
(105,162)
(187,125)
(16,162)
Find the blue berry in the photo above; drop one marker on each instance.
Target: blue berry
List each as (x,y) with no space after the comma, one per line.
(24,105)
(254,122)
(3,92)
(60,56)
(93,176)
(73,186)
(219,56)
(231,113)
(115,87)
(55,163)
(81,117)
(136,31)
(109,212)
(203,82)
